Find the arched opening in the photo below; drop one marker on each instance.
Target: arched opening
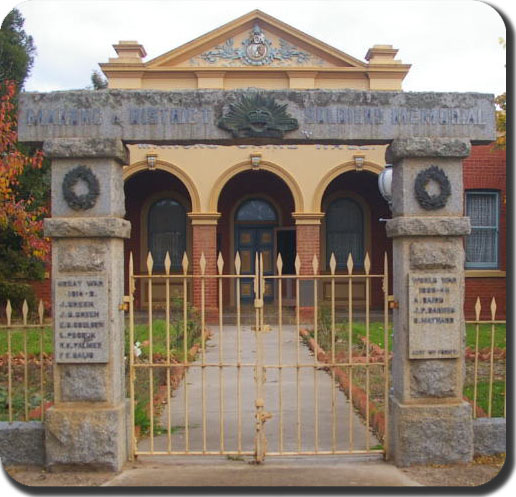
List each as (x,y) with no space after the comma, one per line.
(157,204)
(256,218)
(352,224)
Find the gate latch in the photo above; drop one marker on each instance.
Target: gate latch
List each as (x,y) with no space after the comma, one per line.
(261,415)
(264,416)
(124,306)
(393,303)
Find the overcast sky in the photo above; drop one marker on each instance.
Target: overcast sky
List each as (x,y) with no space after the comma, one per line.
(452,45)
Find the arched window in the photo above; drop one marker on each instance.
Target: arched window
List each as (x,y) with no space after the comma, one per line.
(345,232)
(167,232)
(256,210)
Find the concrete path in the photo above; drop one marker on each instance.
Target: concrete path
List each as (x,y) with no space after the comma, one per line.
(225,413)
(303,472)
(229,470)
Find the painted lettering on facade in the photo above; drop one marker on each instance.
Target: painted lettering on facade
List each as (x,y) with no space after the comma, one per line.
(81,319)
(134,116)
(344,115)
(174,115)
(356,116)
(64,117)
(434,316)
(393,116)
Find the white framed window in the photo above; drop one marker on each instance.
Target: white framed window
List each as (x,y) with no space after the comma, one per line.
(483,208)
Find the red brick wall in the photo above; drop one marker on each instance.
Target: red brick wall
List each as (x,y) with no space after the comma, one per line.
(485,168)
(204,240)
(307,244)
(43,291)
(486,289)
(43,288)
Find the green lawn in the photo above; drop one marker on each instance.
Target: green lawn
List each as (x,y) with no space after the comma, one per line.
(176,335)
(484,336)
(159,338)
(376,334)
(497,408)
(33,340)
(141,334)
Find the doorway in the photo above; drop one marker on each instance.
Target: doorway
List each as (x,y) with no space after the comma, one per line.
(255,220)
(286,246)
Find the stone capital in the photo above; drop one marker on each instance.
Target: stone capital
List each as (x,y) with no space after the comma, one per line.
(428,226)
(204,218)
(86,148)
(87,227)
(313,218)
(427,147)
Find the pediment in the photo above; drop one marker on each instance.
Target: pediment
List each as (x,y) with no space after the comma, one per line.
(254,41)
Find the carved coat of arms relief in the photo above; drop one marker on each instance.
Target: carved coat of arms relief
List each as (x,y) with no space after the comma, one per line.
(256,50)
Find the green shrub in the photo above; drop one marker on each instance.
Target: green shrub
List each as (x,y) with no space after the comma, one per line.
(17,293)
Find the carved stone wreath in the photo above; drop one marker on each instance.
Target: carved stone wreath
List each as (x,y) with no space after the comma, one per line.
(86,200)
(425,200)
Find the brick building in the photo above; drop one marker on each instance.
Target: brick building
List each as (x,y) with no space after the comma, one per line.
(279,199)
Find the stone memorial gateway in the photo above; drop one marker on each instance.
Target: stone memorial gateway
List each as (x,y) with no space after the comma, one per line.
(429,134)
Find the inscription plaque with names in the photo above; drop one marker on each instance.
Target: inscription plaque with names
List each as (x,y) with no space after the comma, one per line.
(434,317)
(81,334)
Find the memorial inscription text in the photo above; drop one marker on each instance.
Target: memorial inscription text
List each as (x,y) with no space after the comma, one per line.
(433,316)
(81,319)
(360,115)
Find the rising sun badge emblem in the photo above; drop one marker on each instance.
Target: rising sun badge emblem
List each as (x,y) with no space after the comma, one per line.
(257,116)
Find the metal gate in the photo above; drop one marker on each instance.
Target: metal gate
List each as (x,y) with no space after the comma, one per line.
(260,382)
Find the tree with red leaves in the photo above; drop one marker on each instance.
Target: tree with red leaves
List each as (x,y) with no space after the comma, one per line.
(24,175)
(22,245)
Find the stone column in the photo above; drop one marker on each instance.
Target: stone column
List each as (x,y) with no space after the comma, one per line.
(204,241)
(86,427)
(429,422)
(308,244)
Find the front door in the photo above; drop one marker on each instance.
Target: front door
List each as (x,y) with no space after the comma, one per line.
(252,241)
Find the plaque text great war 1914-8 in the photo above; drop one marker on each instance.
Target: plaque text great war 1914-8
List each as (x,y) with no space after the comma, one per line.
(81,319)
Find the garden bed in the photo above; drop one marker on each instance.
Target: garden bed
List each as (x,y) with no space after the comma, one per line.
(375,337)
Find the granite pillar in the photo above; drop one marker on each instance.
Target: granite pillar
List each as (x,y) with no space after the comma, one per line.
(86,426)
(429,422)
